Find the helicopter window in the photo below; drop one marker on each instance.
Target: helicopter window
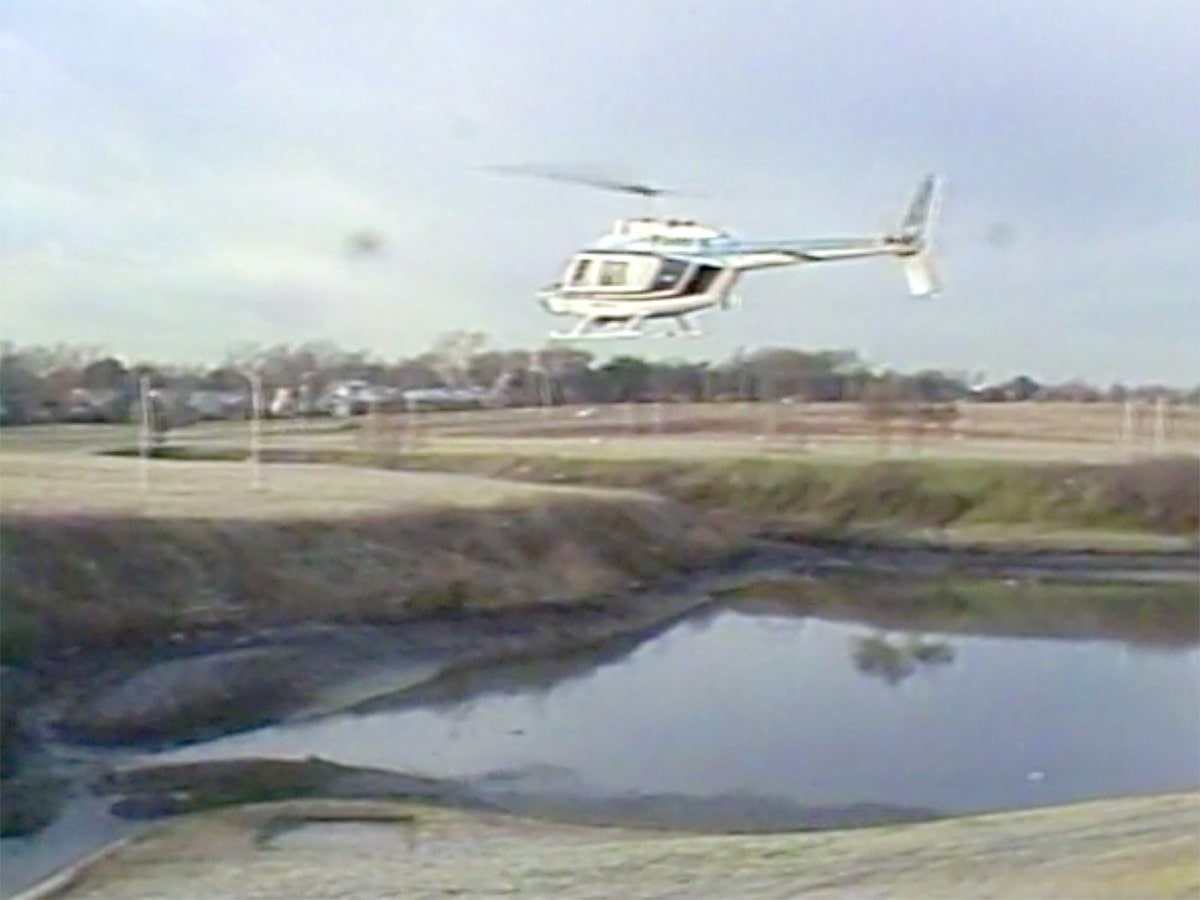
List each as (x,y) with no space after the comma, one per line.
(579,272)
(703,279)
(612,273)
(670,273)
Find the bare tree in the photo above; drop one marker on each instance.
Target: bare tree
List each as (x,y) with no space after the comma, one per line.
(452,354)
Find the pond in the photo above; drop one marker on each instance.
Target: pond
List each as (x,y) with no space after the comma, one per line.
(820,713)
(864,702)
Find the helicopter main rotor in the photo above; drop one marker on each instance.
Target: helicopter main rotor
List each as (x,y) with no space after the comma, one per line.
(636,188)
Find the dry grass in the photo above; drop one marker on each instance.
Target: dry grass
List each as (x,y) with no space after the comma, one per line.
(93,575)
(92,561)
(54,484)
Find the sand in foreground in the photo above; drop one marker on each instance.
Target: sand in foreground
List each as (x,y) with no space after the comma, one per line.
(1134,847)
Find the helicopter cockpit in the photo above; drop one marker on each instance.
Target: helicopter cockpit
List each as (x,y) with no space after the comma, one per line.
(616,273)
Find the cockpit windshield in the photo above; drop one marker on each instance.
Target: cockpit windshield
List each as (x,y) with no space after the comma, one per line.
(670,273)
(625,272)
(579,271)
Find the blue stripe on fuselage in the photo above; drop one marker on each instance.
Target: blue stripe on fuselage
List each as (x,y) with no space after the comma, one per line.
(718,247)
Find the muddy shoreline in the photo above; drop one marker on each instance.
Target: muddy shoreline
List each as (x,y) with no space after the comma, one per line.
(290,669)
(199,685)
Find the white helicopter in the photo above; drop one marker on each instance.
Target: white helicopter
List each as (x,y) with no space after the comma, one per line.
(652,268)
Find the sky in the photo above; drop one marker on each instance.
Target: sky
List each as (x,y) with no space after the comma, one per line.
(183,177)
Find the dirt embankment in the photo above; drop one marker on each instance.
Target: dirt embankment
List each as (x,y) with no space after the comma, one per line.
(95,581)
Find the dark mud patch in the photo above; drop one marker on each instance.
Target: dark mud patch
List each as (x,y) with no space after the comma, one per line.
(153,792)
(30,802)
(193,699)
(18,690)
(722,814)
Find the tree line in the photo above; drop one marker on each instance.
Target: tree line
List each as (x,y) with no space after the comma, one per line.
(58,383)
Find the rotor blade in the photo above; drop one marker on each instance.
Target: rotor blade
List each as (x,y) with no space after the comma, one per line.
(608,184)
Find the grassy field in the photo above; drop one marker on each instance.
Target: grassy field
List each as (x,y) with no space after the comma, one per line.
(106,549)
(87,485)
(1094,432)
(1027,431)
(1053,470)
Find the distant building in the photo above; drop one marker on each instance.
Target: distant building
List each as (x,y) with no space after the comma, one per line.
(217,405)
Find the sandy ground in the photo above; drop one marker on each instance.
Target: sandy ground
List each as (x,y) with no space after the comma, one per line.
(77,483)
(1136,847)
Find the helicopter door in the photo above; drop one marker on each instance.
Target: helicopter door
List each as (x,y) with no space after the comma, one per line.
(702,280)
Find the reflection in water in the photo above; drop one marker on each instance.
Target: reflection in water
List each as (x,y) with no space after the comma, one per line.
(901,612)
(1145,615)
(459,686)
(876,657)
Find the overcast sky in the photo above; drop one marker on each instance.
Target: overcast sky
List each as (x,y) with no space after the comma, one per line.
(183,176)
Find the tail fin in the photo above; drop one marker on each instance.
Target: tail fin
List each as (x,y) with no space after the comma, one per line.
(919,268)
(915,227)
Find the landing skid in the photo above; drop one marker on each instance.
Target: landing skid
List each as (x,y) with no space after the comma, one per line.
(591,330)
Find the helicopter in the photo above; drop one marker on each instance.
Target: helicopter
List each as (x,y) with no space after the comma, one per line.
(659,268)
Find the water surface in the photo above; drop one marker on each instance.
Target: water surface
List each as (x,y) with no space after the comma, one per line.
(817,712)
